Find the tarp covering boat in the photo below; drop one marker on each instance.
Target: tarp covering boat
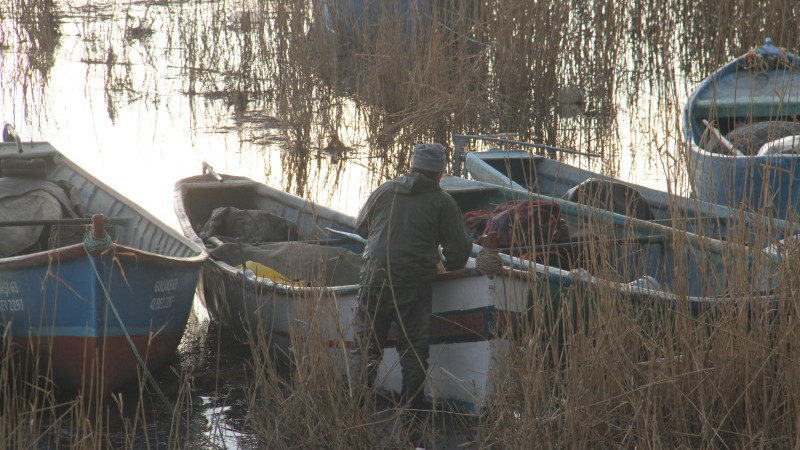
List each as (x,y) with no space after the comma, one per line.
(25,199)
(302,262)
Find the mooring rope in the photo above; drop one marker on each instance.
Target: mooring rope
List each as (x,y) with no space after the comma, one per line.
(92,244)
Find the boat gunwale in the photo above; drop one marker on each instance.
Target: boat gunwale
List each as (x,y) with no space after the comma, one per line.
(78,251)
(689,134)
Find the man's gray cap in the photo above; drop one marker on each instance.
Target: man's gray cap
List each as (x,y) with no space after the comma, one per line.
(429,157)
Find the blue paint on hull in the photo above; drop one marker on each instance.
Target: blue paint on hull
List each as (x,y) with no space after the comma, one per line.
(737,94)
(765,184)
(68,299)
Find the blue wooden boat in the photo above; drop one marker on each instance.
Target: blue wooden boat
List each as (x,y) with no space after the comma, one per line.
(548,178)
(703,236)
(638,261)
(739,125)
(90,306)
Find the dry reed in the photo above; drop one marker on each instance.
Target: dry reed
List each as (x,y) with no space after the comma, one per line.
(605,374)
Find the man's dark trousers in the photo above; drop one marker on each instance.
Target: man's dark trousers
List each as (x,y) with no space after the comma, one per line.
(410,307)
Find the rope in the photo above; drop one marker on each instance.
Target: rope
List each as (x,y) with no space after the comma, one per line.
(489,261)
(94,245)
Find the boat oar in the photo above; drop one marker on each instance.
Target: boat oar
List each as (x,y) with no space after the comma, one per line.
(76,221)
(351,236)
(641,240)
(460,141)
(726,144)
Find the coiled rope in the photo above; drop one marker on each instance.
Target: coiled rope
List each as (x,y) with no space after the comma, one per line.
(489,261)
(92,244)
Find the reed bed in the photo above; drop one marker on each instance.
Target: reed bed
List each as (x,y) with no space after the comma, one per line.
(36,414)
(587,369)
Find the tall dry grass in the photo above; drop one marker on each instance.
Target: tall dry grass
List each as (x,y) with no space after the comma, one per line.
(37,414)
(632,375)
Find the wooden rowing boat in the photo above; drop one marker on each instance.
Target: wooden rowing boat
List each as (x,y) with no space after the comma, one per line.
(741,128)
(90,306)
(472,312)
(640,261)
(548,179)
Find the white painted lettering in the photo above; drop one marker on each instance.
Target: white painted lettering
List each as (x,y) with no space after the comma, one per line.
(159,303)
(8,288)
(169,285)
(11,305)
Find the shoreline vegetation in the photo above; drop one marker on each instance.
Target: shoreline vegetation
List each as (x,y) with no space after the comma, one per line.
(622,375)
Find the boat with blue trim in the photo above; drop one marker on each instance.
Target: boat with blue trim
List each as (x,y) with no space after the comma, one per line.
(658,249)
(90,283)
(273,285)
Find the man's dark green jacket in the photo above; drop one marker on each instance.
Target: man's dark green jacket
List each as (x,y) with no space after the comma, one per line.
(404,221)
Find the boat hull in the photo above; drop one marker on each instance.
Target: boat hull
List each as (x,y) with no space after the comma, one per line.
(78,309)
(768,185)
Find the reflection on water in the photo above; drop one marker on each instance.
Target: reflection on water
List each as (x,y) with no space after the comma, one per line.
(267,77)
(216,364)
(140,93)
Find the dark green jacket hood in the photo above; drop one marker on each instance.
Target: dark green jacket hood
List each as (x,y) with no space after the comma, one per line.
(405,221)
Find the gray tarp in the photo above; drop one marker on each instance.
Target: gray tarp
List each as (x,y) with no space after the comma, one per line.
(249,226)
(749,138)
(611,196)
(29,206)
(311,263)
(31,199)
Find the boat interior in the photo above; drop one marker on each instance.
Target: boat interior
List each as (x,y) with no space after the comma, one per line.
(599,244)
(750,104)
(549,178)
(274,234)
(610,252)
(201,198)
(61,199)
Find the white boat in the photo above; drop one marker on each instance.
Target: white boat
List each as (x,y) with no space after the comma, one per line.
(472,313)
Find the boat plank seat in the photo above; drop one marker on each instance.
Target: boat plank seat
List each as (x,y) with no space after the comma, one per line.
(764,106)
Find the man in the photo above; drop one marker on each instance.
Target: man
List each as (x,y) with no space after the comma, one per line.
(405,221)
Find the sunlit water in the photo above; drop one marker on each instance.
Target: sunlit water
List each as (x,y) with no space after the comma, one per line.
(118,92)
